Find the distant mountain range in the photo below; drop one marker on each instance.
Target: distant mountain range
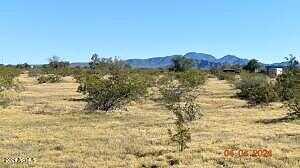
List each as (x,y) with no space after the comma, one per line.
(202,61)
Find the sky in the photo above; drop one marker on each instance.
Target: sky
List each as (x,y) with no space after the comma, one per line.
(33,30)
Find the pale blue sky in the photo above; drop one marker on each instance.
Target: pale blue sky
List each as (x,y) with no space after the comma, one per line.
(33,30)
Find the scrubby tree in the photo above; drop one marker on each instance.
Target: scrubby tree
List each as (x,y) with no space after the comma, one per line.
(285,83)
(292,63)
(56,62)
(94,61)
(252,65)
(23,66)
(107,65)
(181,64)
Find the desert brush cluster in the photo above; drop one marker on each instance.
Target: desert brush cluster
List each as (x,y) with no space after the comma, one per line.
(111,115)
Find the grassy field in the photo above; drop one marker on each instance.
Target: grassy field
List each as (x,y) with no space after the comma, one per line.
(49,124)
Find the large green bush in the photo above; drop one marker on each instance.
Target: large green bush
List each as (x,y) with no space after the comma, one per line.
(285,86)
(7,76)
(109,92)
(7,82)
(256,88)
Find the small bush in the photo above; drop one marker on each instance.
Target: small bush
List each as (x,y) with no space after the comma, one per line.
(285,85)
(110,92)
(35,72)
(7,82)
(172,92)
(186,112)
(230,77)
(256,89)
(52,78)
(191,79)
(181,136)
(7,76)
(294,109)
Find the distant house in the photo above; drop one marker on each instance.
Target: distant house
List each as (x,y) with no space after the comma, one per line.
(273,72)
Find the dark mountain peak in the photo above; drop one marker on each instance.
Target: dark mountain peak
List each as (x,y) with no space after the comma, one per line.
(200,56)
(232,59)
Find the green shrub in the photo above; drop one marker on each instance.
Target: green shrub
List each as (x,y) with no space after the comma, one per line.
(111,92)
(294,109)
(7,76)
(35,72)
(108,65)
(256,89)
(181,63)
(184,113)
(230,77)
(191,79)
(181,136)
(51,78)
(285,85)
(172,92)
(187,111)
(7,82)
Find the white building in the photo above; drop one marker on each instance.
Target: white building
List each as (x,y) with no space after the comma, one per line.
(274,72)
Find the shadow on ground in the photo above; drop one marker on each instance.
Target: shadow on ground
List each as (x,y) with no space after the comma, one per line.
(290,117)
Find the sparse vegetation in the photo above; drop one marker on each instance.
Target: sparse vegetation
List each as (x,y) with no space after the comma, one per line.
(138,136)
(191,79)
(181,136)
(294,109)
(7,82)
(228,76)
(256,88)
(50,78)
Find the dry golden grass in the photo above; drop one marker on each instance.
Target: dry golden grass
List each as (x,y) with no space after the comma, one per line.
(49,124)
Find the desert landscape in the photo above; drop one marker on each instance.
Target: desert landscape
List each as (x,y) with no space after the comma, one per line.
(47,122)
(149,84)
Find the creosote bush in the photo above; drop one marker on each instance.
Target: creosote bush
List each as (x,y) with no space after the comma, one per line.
(51,78)
(285,85)
(294,109)
(256,89)
(172,92)
(8,82)
(181,136)
(174,86)
(175,91)
(191,79)
(184,113)
(187,111)
(7,76)
(110,92)
(228,76)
